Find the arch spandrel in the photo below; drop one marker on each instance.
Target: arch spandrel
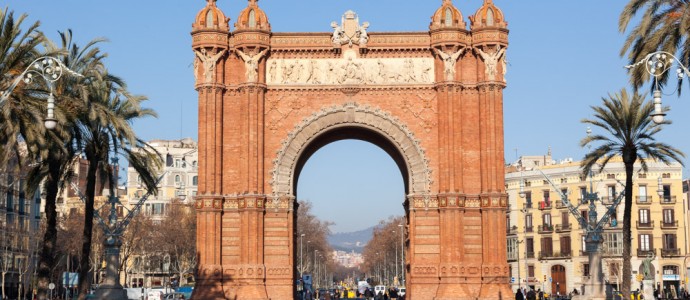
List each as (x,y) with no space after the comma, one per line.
(354,115)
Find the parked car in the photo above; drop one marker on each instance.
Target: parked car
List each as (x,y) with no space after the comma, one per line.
(401,291)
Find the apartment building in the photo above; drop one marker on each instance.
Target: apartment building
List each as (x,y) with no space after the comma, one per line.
(546,244)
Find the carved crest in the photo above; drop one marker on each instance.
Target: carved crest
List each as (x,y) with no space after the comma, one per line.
(350,31)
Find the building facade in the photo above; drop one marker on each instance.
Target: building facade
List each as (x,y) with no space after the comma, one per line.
(546,245)
(20,231)
(178,186)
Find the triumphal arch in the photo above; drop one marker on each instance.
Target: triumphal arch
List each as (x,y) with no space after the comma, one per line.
(433,100)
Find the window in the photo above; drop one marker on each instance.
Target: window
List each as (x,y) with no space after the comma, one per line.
(529,247)
(668,216)
(209,19)
(612,192)
(610,176)
(512,248)
(546,220)
(490,17)
(670,241)
(613,243)
(667,192)
(449,17)
(547,196)
(666,175)
(585,215)
(584,243)
(585,269)
(645,242)
(528,199)
(178,163)
(195,180)
(565,245)
(614,267)
(252,19)
(546,246)
(644,216)
(642,193)
(178,179)
(670,270)
(157,209)
(564,193)
(530,271)
(583,194)
(565,222)
(642,176)
(528,223)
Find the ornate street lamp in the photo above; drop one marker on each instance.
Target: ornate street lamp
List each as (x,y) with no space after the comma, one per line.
(50,69)
(657,64)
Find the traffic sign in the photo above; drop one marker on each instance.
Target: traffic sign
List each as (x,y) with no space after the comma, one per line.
(51,286)
(550,279)
(512,279)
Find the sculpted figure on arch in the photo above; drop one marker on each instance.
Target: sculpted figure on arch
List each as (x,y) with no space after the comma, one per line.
(491,60)
(209,63)
(449,61)
(251,63)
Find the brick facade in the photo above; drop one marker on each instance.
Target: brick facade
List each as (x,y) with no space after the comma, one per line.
(432,100)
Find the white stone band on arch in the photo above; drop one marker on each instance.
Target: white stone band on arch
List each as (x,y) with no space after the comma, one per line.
(351,114)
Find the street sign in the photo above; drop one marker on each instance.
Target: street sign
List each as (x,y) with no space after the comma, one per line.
(51,286)
(512,279)
(550,279)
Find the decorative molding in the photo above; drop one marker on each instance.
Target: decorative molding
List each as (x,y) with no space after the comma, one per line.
(273,108)
(426,114)
(350,70)
(355,115)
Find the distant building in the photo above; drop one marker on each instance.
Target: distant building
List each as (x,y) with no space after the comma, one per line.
(347,259)
(20,229)
(546,244)
(179,182)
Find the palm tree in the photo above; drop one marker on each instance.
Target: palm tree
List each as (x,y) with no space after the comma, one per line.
(626,119)
(663,25)
(18,114)
(106,132)
(58,151)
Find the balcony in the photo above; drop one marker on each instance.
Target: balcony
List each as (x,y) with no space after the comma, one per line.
(560,204)
(670,252)
(643,200)
(608,200)
(669,225)
(554,255)
(529,229)
(529,254)
(512,230)
(543,205)
(563,227)
(546,228)
(668,200)
(527,205)
(645,225)
(645,253)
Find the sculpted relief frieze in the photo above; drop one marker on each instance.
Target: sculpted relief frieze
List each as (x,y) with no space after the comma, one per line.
(350,70)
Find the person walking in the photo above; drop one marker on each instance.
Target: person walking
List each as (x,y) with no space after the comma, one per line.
(393,293)
(519,295)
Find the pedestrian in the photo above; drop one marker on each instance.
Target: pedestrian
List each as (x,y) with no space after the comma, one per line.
(393,293)
(531,295)
(519,295)
(308,296)
(540,294)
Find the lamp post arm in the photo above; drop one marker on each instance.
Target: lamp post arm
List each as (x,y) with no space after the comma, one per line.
(130,215)
(657,63)
(609,211)
(96,214)
(47,67)
(564,198)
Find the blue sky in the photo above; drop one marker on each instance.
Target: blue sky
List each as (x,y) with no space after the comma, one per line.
(563,58)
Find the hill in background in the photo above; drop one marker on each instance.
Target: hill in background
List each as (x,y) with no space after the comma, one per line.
(349,241)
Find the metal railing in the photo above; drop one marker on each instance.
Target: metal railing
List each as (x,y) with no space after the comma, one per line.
(668,200)
(670,252)
(546,228)
(668,225)
(645,253)
(563,227)
(644,225)
(643,200)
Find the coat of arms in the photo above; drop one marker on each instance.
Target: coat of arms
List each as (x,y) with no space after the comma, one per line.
(349,31)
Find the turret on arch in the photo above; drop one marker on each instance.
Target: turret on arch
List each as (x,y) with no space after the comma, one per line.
(433,100)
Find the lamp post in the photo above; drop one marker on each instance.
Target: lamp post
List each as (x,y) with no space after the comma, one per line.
(113,230)
(402,253)
(396,259)
(301,270)
(657,64)
(50,69)
(518,262)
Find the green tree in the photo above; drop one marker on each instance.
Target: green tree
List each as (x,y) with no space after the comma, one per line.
(664,25)
(630,135)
